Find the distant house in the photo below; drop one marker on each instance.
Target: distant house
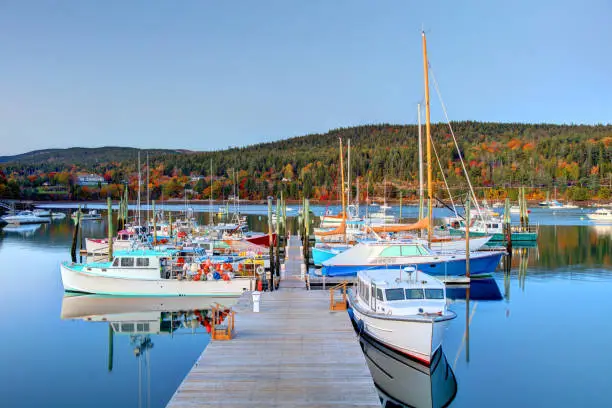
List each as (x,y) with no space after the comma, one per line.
(92,180)
(195,179)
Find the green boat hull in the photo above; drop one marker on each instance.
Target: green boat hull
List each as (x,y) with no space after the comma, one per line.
(515,237)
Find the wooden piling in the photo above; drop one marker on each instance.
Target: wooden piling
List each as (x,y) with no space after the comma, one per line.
(154,222)
(109,208)
(271,245)
(75,235)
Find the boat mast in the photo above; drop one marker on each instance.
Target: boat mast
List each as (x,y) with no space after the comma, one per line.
(210,209)
(421,183)
(148,191)
(343,196)
(348,173)
(139,182)
(428,137)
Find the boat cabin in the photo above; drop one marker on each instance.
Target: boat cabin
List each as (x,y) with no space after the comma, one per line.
(404,291)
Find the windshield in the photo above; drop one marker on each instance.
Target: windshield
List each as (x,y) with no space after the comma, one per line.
(434,293)
(394,294)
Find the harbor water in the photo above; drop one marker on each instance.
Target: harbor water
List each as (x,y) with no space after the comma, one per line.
(534,335)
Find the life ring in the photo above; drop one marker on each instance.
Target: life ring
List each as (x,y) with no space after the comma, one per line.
(260,270)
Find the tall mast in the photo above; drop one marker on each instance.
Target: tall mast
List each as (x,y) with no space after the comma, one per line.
(343,196)
(428,137)
(348,173)
(138,199)
(210,214)
(421,183)
(148,190)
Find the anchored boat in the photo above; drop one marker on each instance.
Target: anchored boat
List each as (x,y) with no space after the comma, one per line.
(399,253)
(404,309)
(152,273)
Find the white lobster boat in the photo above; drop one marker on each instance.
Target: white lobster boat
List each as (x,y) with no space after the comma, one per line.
(404,309)
(151,273)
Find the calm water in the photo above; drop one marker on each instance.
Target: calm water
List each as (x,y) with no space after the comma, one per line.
(538,334)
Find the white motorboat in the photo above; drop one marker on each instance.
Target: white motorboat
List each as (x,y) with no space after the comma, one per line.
(58,215)
(25,217)
(39,212)
(601,215)
(404,309)
(151,273)
(91,215)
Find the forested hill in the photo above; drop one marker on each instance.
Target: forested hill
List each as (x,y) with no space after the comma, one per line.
(496,155)
(83,156)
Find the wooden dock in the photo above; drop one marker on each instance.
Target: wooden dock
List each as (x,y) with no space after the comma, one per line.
(294,353)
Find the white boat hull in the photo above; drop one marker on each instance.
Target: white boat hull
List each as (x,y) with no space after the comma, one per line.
(80,281)
(418,338)
(459,244)
(600,217)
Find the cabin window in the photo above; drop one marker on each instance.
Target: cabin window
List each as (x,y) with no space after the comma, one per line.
(142,261)
(142,327)
(127,261)
(116,262)
(391,251)
(414,294)
(434,293)
(394,294)
(116,326)
(494,225)
(379,295)
(127,327)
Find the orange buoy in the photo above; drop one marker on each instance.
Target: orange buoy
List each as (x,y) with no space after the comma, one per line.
(226,277)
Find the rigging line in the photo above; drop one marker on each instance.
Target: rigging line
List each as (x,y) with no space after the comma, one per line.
(435,82)
(443,176)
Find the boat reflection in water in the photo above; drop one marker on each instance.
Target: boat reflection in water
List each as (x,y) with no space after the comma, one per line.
(402,382)
(143,317)
(25,230)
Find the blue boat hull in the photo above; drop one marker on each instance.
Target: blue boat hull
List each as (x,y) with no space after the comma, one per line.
(483,265)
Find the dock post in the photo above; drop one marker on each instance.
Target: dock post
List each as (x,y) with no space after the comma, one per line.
(271,245)
(278,238)
(400,206)
(109,208)
(75,235)
(467,237)
(507,225)
(154,222)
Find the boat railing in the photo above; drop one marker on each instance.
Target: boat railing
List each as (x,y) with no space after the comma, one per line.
(334,304)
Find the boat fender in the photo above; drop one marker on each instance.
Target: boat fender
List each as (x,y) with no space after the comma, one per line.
(226,277)
(260,270)
(216,276)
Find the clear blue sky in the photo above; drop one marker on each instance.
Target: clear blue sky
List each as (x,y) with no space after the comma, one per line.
(209,74)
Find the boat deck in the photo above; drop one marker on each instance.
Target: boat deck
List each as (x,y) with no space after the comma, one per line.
(294,353)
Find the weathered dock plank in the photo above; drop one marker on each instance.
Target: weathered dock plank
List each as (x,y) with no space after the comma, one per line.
(295,352)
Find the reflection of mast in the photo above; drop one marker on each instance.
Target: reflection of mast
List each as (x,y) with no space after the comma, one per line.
(466,335)
(467,324)
(143,345)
